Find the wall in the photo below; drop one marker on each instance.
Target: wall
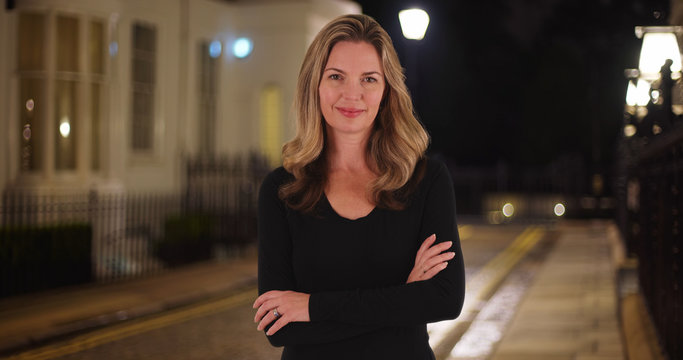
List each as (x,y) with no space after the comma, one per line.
(280,31)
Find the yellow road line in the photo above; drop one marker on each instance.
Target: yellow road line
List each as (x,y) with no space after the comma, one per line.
(486,280)
(97,338)
(497,269)
(465,232)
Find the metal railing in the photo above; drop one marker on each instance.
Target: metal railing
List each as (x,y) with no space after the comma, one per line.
(129,235)
(651,213)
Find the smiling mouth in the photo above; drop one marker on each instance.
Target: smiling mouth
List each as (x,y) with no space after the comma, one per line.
(350,112)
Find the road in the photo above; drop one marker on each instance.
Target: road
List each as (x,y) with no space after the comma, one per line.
(499,261)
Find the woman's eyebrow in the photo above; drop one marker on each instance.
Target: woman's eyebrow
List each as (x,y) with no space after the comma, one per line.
(364,74)
(335,69)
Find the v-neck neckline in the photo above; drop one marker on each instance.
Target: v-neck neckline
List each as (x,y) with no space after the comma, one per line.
(332,209)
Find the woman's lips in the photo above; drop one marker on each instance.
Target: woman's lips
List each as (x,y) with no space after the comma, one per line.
(350,112)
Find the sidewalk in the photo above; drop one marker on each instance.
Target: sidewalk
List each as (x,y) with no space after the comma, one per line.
(34,318)
(571,310)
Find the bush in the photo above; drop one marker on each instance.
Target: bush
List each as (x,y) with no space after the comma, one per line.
(41,258)
(187,239)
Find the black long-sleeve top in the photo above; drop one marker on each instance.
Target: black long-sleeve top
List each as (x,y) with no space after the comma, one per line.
(355,270)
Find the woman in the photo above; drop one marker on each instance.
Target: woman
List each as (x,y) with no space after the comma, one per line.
(358,246)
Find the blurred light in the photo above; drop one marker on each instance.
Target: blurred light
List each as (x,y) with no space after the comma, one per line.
(629,130)
(508,210)
(495,217)
(27,132)
(657,47)
(242,48)
(30,104)
(631,73)
(65,127)
(638,95)
(414,23)
(656,129)
(113,48)
(655,96)
(559,209)
(215,49)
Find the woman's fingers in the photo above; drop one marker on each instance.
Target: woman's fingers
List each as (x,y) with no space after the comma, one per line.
(290,305)
(281,322)
(265,297)
(425,245)
(263,310)
(267,319)
(432,252)
(435,260)
(430,259)
(433,271)
(437,249)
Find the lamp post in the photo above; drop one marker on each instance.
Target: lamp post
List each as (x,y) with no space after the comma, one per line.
(649,110)
(414,23)
(659,57)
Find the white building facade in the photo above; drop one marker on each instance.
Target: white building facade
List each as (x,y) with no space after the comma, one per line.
(113,94)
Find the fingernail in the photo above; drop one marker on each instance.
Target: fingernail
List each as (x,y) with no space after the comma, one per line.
(444,264)
(451,254)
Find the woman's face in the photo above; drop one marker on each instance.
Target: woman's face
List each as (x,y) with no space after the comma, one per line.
(351,88)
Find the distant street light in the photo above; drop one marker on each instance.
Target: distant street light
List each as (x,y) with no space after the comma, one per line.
(414,23)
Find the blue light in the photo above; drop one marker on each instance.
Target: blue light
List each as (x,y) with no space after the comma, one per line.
(113,48)
(242,48)
(215,49)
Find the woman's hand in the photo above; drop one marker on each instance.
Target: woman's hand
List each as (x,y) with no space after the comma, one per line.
(430,260)
(289,306)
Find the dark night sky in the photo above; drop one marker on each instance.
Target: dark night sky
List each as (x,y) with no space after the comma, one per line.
(525,82)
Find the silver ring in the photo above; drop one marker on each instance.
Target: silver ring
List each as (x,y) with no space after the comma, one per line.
(277,314)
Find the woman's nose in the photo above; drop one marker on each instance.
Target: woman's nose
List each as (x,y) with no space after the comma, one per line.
(352,90)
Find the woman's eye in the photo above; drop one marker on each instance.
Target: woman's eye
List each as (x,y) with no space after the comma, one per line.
(370,79)
(335,77)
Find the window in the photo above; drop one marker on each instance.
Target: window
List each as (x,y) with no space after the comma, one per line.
(144,79)
(208,88)
(96,55)
(66,94)
(271,103)
(75,65)
(31,66)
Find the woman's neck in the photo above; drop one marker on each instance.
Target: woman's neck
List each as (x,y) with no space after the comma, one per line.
(347,152)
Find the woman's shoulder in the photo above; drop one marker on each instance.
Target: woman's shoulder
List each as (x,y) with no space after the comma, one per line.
(435,174)
(277,178)
(434,168)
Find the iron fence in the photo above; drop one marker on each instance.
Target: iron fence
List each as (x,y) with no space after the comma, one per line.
(125,235)
(650,216)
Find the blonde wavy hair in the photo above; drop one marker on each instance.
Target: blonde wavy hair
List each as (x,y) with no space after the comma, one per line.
(397,142)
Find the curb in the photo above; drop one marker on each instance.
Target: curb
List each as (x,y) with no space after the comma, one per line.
(80,326)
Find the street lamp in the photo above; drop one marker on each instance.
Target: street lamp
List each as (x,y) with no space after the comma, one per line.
(644,87)
(414,24)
